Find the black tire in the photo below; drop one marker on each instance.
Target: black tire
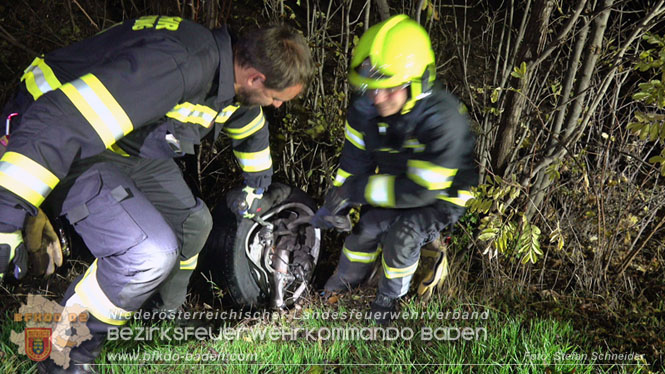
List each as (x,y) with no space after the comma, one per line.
(226,252)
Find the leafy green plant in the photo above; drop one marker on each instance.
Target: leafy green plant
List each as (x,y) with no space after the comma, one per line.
(651,125)
(500,227)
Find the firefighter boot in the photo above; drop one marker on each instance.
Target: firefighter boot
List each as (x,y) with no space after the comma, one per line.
(383,308)
(340,283)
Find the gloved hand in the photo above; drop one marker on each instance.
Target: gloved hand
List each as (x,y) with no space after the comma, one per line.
(433,268)
(12,250)
(327,216)
(43,245)
(247,204)
(324,220)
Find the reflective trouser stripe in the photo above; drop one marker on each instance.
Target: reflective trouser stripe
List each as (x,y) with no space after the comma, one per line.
(429,175)
(226,113)
(26,178)
(99,108)
(462,198)
(255,125)
(190,263)
(193,113)
(392,273)
(364,257)
(354,136)
(340,178)
(380,190)
(39,78)
(254,161)
(95,300)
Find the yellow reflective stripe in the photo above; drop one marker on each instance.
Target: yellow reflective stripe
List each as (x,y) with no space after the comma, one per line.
(226,113)
(429,175)
(26,178)
(116,149)
(341,177)
(39,78)
(193,113)
(414,144)
(380,190)
(96,301)
(190,263)
(354,136)
(99,108)
(254,161)
(247,130)
(462,198)
(364,257)
(392,273)
(383,127)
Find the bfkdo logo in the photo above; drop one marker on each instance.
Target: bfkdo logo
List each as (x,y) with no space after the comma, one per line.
(38,343)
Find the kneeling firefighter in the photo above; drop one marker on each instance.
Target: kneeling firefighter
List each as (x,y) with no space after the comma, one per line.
(99,124)
(407,158)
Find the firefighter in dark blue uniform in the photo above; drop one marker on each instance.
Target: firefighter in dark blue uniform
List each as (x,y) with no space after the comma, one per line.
(408,158)
(100,123)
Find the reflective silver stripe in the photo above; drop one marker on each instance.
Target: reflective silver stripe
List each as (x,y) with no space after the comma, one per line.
(429,175)
(354,136)
(340,178)
(99,107)
(415,145)
(383,127)
(96,301)
(39,78)
(392,273)
(26,178)
(254,161)
(193,113)
(364,257)
(462,198)
(240,133)
(190,263)
(32,182)
(380,190)
(226,113)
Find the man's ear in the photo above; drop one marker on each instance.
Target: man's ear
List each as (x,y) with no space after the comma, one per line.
(256,79)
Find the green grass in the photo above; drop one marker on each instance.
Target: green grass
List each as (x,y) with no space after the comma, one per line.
(500,343)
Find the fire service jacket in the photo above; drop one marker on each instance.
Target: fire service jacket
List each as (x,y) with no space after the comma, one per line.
(152,87)
(408,160)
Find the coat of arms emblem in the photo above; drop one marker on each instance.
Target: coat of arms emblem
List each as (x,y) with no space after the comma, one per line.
(37,343)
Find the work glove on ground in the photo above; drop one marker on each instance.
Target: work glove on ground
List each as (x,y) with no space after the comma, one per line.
(247,204)
(13,252)
(43,245)
(433,268)
(328,216)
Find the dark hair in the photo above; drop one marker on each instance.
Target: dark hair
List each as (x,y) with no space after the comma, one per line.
(279,52)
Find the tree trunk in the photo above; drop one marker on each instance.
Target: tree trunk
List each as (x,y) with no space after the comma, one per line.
(383,8)
(515,99)
(588,67)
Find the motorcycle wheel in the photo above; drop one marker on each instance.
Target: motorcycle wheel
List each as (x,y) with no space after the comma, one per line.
(239,262)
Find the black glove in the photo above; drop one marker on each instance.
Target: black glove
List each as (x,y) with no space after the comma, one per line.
(324,220)
(12,250)
(327,217)
(248,202)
